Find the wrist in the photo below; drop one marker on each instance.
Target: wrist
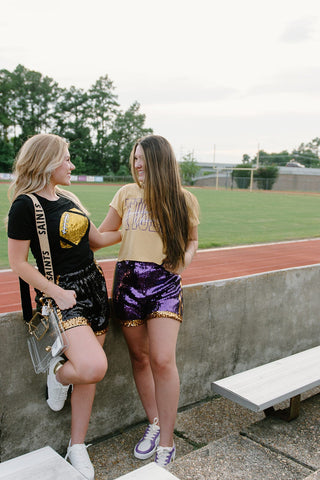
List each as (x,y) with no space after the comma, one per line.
(189,254)
(51,289)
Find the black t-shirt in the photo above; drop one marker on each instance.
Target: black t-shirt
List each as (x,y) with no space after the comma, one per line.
(68,232)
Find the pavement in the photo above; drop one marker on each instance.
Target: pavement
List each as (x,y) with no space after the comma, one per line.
(219,440)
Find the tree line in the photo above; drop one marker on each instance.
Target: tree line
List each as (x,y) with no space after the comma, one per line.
(306,154)
(100,133)
(266,164)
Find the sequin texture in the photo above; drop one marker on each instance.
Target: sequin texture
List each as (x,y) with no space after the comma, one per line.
(92,307)
(144,290)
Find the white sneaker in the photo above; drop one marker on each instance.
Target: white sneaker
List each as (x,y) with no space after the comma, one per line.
(165,455)
(147,444)
(57,393)
(79,459)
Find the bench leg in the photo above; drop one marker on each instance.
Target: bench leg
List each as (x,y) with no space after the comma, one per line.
(287,414)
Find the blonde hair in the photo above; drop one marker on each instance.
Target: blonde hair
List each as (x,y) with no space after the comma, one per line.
(164,196)
(38,157)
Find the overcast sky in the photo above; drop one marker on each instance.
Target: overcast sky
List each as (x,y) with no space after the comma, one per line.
(227,75)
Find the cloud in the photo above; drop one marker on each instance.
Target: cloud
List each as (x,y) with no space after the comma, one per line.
(300,30)
(177,91)
(296,80)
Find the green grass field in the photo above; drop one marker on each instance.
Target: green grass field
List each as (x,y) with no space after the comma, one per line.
(228,217)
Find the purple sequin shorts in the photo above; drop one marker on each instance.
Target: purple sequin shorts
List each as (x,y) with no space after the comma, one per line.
(144,290)
(92,307)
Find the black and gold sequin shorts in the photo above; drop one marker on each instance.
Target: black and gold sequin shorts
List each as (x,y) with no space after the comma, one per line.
(92,307)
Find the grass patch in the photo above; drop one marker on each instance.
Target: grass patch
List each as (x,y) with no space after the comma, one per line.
(228,217)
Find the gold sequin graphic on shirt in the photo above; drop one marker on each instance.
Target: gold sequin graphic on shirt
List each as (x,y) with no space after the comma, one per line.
(73,227)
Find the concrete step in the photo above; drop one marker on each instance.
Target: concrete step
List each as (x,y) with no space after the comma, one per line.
(149,471)
(268,449)
(44,464)
(219,440)
(237,457)
(314,476)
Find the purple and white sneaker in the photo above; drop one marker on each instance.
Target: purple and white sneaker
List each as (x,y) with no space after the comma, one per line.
(165,455)
(147,445)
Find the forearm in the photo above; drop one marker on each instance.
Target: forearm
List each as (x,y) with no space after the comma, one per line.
(106,239)
(18,258)
(192,246)
(99,239)
(34,278)
(191,249)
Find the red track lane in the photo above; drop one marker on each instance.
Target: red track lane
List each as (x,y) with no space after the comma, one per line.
(207,265)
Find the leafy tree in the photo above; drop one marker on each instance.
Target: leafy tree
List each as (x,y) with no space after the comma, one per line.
(127,129)
(6,103)
(33,100)
(6,156)
(72,124)
(100,134)
(189,168)
(101,114)
(280,159)
(266,177)
(308,154)
(245,159)
(242,177)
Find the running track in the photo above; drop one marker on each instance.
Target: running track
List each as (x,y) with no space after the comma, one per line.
(207,265)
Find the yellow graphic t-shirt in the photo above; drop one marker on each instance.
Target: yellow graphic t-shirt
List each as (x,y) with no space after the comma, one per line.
(141,241)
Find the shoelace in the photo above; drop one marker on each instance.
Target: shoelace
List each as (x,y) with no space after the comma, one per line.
(151,431)
(163,456)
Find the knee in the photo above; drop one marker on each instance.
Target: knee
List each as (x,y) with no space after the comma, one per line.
(94,370)
(162,364)
(140,360)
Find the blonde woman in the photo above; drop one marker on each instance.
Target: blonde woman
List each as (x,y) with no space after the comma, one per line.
(79,290)
(159,238)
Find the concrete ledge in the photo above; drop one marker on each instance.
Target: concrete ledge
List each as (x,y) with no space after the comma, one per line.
(149,471)
(44,463)
(229,326)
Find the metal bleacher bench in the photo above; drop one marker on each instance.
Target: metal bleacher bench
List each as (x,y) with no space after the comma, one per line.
(261,388)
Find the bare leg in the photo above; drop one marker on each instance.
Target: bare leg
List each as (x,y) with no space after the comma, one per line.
(138,345)
(152,352)
(87,362)
(163,334)
(86,365)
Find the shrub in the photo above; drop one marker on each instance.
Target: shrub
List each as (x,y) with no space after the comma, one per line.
(266,177)
(241,177)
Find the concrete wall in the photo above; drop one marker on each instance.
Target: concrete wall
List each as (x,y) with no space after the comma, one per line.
(229,326)
(289,179)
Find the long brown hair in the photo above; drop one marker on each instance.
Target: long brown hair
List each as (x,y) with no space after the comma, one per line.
(164,196)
